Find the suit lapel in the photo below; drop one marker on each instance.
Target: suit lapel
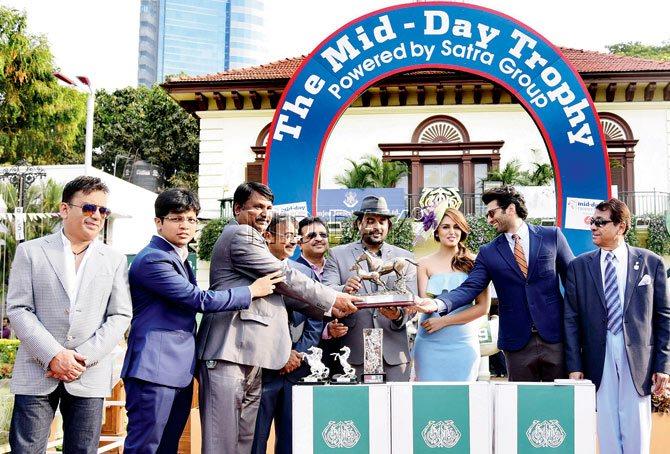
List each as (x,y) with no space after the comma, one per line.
(356,251)
(633,275)
(503,248)
(596,275)
(54,253)
(162,244)
(534,244)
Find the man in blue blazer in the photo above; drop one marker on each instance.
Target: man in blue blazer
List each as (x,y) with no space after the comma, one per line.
(276,394)
(524,264)
(617,329)
(160,361)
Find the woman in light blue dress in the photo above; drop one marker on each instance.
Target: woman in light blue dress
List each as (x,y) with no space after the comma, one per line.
(447,348)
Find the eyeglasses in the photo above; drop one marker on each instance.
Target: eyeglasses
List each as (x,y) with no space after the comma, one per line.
(491,212)
(311,235)
(89,209)
(599,222)
(181,220)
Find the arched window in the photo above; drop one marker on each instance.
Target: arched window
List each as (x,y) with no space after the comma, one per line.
(621,151)
(254,170)
(441,154)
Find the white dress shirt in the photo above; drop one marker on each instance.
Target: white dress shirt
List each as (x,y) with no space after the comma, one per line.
(73,274)
(620,263)
(524,238)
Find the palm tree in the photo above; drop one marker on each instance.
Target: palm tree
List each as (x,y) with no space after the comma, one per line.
(356,177)
(384,174)
(372,173)
(509,175)
(543,174)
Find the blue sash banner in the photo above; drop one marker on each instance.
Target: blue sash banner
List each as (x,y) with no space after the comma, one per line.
(340,204)
(440,35)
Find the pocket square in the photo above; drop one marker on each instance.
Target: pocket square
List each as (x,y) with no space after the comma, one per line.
(646,280)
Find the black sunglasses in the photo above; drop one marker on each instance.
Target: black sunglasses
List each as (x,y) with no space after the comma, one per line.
(89,209)
(311,235)
(599,222)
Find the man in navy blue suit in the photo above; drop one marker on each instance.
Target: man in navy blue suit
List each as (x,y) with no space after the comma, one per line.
(524,264)
(617,329)
(160,361)
(276,396)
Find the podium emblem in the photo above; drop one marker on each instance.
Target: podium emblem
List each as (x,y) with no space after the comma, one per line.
(441,434)
(341,434)
(545,434)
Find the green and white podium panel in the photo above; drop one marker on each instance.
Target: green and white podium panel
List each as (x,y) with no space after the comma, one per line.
(341,419)
(441,418)
(545,417)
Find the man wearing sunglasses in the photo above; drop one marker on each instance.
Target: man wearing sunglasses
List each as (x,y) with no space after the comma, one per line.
(160,361)
(69,305)
(617,329)
(524,264)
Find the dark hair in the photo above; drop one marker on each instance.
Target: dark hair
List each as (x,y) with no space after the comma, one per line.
(176,200)
(309,220)
(279,218)
(619,212)
(85,184)
(244,191)
(462,260)
(506,196)
(359,218)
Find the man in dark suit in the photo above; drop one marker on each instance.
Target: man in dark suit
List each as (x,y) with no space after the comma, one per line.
(617,329)
(524,264)
(235,346)
(160,361)
(276,395)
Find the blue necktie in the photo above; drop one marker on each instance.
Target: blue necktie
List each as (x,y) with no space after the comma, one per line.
(614,310)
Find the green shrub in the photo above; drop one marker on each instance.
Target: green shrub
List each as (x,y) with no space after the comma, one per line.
(8,348)
(631,235)
(480,232)
(210,233)
(659,239)
(401,234)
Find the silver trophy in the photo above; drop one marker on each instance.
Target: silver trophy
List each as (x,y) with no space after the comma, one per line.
(349,375)
(318,371)
(398,295)
(373,357)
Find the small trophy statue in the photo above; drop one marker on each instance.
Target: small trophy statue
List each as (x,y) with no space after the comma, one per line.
(318,372)
(349,375)
(373,358)
(398,295)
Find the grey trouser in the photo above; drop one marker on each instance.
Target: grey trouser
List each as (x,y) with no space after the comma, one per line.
(229,399)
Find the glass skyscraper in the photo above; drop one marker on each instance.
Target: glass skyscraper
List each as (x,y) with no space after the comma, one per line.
(198,37)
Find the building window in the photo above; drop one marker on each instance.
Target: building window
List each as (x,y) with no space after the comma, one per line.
(621,153)
(441,154)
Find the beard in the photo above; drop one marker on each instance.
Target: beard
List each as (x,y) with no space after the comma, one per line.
(373,238)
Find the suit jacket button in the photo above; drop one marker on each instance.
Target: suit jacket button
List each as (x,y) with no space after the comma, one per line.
(69,338)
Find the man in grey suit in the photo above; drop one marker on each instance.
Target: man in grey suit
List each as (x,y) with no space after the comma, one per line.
(69,304)
(617,329)
(233,347)
(373,222)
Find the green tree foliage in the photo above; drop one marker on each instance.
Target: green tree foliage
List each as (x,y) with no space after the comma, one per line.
(637,49)
(372,172)
(210,233)
(512,174)
(40,121)
(145,123)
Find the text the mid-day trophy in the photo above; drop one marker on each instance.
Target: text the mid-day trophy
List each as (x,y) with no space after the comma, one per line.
(398,294)
(373,358)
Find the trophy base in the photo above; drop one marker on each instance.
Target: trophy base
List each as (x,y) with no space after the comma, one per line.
(311,381)
(374,379)
(385,300)
(340,379)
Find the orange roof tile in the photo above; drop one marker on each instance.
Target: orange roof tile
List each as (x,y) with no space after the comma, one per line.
(585,61)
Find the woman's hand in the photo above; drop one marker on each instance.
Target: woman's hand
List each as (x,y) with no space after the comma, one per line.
(435,324)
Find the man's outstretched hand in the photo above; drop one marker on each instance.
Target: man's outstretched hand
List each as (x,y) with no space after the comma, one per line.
(344,305)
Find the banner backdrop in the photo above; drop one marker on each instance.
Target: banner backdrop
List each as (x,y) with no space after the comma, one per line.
(442,35)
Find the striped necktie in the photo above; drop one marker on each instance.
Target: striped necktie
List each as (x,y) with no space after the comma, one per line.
(519,256)
(612,300)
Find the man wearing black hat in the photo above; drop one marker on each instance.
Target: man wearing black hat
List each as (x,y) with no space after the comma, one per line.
(373,221)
